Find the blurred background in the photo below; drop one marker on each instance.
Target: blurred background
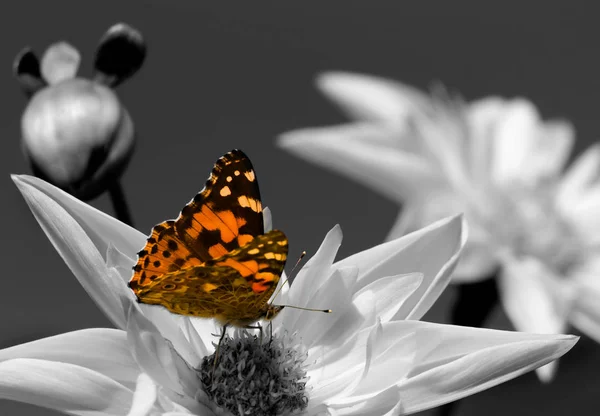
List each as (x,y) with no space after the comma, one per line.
(223,75)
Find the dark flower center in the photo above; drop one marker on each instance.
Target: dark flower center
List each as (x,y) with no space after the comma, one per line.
(256,377)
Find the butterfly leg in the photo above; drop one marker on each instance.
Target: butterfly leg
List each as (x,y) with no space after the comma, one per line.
(217,350)
(257,326)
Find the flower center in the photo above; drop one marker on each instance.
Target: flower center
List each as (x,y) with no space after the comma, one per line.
(256,377)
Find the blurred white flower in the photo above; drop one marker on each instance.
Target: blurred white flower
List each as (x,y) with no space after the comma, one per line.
(493,159)
(370,356)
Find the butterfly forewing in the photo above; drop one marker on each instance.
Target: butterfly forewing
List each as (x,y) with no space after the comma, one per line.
(164,253)
(225,215)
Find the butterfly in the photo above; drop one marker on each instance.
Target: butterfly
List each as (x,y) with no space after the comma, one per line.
(215,260)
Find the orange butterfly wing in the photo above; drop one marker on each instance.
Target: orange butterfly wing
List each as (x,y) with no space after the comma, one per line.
(225,215)
(214,260)
(234,288)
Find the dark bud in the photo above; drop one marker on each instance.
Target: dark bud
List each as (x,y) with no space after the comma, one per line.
(120,54)
(26,68)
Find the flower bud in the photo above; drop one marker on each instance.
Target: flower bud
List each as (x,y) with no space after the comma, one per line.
(76,133)
(78,136)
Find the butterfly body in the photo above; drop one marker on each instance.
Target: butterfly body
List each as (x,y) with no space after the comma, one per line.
(214,260)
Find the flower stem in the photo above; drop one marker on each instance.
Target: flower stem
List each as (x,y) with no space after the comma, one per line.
(473,305)
(119,202)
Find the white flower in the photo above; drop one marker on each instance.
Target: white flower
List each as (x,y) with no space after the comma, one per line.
(493,159)
(370,355)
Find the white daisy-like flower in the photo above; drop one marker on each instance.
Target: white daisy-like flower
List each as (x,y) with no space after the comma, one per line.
(495,160)
(370,356)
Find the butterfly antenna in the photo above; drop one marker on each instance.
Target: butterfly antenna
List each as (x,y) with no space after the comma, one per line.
(298,307)
(308,309)
(298,262)
(287,278)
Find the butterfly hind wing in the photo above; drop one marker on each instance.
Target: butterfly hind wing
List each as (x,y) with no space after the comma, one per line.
(234,288)
(196,291)
(260,263)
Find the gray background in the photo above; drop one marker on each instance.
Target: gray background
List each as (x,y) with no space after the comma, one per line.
(221,75)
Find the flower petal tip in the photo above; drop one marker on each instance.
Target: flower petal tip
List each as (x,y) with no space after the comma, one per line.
(571,339)
(299,139)
(547,372)
(22,179)
(333,78)
(283,140)
(337,231)
(325,77)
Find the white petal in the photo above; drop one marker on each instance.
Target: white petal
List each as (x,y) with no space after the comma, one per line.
(482,119)
(432,205)
(74,245)
(144,397)
(386,403)
(582,214)
(440,362)
(170,326)
(193,335)
(313,274)
(516,140)
(120,262)
(585,314)
(66,388)
(373,341)
(433,251)
(184,414)
(477,261)
(444,140)
(330,328)
(539,151)
(206,328)
(267,219)
(371,98)
(386,296)
(454,361)
(101,228)
(583,172)
(554,148)
(339,368)
(156,356)
(535,301)
(103,350)
(391,360)
(408,216)
(529,299)
(344,320)
(356,151)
